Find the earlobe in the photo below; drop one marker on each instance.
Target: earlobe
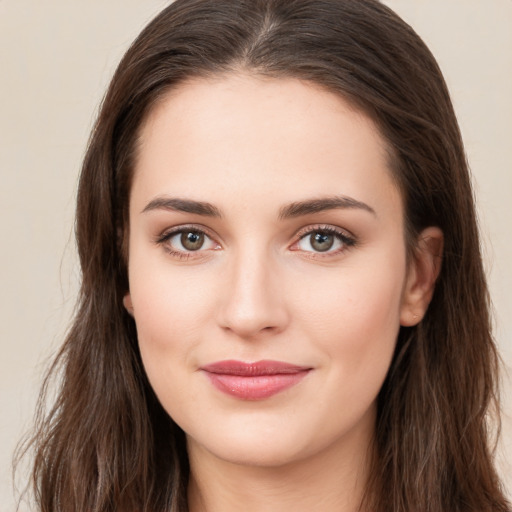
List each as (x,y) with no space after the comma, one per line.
(127,303)
(423,271)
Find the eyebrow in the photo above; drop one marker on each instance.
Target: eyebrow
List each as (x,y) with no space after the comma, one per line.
(183,205)
(300,208)
(292,210)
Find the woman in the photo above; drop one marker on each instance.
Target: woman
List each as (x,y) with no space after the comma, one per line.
(283,304)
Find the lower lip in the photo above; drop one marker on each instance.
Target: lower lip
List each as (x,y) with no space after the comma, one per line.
(255,387)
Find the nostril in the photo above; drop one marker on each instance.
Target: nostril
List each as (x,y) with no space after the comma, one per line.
(250,322)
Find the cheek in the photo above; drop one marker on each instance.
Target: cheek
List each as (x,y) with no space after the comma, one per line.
(171,312)
(355,328)
(166,297)
(355,322)
(353,301)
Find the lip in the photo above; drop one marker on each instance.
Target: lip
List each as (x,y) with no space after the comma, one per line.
(254,381)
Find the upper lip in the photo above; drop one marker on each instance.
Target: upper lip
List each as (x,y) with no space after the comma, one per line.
(256,369)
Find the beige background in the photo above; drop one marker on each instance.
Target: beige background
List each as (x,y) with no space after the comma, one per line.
(56,58)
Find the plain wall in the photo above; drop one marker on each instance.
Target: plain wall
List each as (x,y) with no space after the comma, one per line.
(56,58)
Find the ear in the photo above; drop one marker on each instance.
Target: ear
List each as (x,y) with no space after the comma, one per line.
(422,273)
(127,303)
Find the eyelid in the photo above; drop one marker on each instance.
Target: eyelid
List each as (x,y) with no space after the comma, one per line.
(329,228)
(347,239)
(169,233)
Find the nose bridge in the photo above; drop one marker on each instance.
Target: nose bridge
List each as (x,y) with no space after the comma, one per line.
(253,301)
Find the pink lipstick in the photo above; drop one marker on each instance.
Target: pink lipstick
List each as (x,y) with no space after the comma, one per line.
(254,381)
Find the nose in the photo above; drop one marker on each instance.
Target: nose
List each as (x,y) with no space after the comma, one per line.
(254,297)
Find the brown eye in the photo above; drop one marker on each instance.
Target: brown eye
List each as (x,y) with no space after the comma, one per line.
(321,242)
(192,240)
(328,240)
(184,242)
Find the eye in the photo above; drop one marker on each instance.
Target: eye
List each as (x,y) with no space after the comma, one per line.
(189,240)
(184,241)
(324,240)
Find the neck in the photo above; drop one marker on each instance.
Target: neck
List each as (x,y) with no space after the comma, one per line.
(332,480)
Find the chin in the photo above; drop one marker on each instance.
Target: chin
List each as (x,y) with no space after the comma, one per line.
(273,442)
(247,451)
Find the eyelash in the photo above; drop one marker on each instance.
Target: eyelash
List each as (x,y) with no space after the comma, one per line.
(167,235)
(347,240)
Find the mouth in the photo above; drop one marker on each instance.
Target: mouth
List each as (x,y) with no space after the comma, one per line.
(254,381)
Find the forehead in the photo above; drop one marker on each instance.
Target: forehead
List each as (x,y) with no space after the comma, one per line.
(246,135)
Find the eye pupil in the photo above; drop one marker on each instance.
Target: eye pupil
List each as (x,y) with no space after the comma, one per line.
(192,240)
(322,242)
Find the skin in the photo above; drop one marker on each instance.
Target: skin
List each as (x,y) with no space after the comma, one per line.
(258,290)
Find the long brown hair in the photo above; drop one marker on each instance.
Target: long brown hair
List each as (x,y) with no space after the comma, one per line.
(107,444)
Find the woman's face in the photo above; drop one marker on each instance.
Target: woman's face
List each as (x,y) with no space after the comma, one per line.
(267,267)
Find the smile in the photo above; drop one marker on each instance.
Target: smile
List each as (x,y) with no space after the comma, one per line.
(254,381)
